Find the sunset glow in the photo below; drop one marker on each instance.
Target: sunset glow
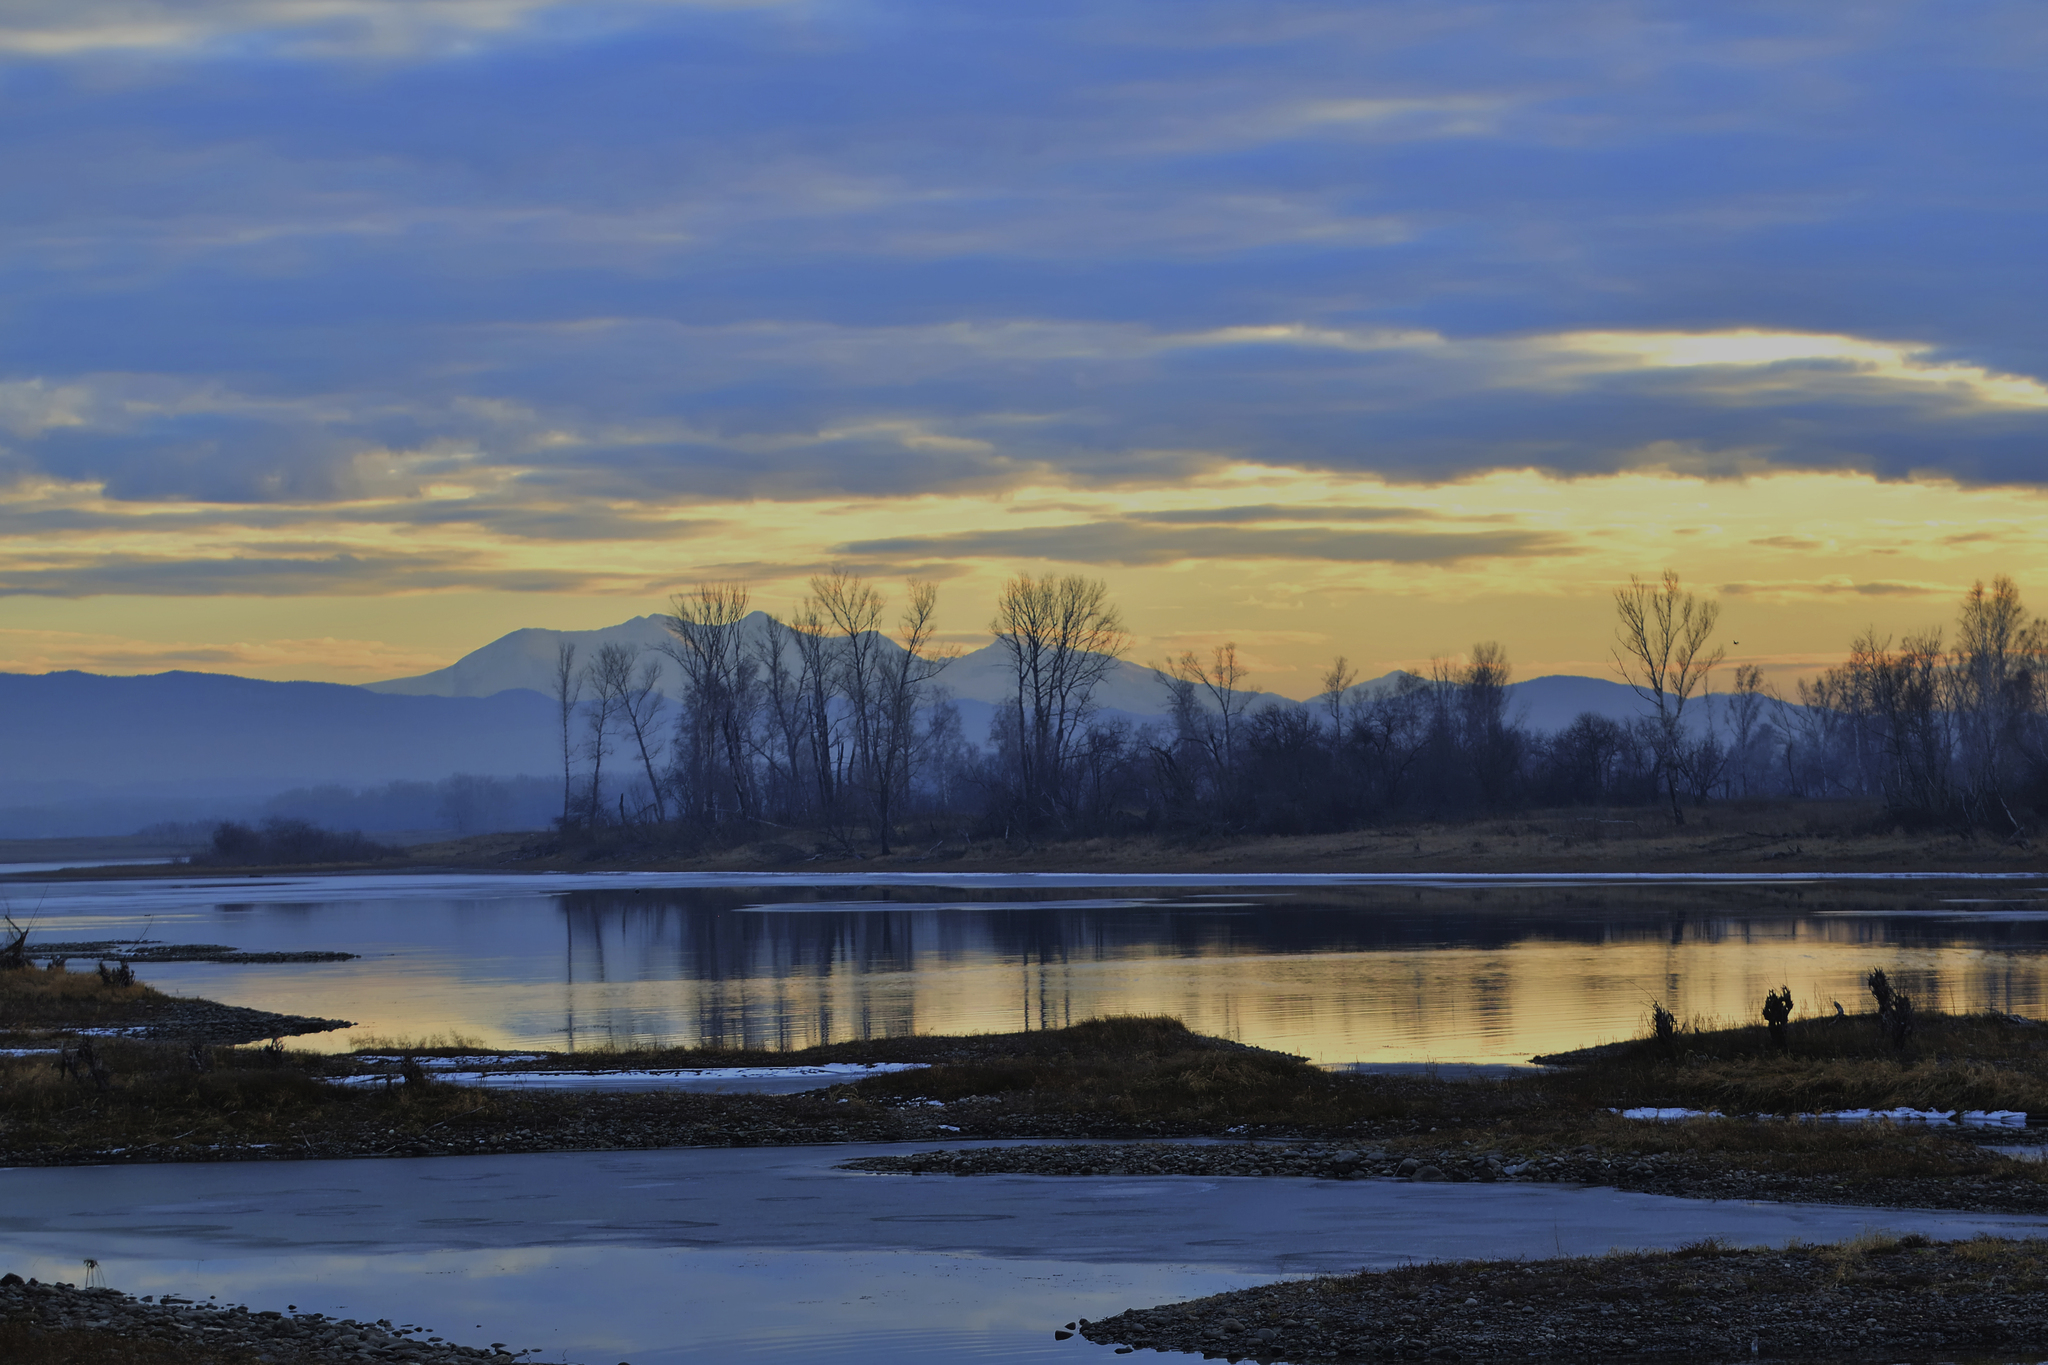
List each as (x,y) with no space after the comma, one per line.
(344,338)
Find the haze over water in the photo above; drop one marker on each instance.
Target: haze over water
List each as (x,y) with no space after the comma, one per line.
(1377,974)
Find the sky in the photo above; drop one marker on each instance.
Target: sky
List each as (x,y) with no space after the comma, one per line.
(339,337)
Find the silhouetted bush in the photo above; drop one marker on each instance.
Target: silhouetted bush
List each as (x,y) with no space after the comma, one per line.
(279,842)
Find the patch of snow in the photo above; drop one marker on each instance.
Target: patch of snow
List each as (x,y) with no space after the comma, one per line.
(825,1074)
(1976,1118)
(451,1063)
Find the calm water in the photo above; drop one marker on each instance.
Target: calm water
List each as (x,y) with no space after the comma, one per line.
(1486,970)
(773,1257)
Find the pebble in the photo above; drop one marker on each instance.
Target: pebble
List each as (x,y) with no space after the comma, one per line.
(1761,1305)
(284,1339)
(1655,1173)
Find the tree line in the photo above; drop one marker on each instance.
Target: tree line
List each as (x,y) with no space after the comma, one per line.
(836,721)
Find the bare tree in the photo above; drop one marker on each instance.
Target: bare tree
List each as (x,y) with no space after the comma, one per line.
(852,609)
(568,691)
(1746,722)
(818,672)
(785,746)
(715,732)
(1995,686)
(609,678)
(641,709)
(1062,636)
(1338,679)
(1662,652)
(905,683)
(1221,678)
(1493,744)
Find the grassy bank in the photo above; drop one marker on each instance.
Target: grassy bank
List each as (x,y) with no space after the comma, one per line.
(1950,1061)
(1559,1126)
(1773,836)
(43,1005)
(1103,1077)
(56,997)
(1121,1078)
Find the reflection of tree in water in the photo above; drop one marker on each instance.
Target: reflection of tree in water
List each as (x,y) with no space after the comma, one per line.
(708,969)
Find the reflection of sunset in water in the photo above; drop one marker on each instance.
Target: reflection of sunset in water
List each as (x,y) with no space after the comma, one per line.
(1339,976)
(1447,1003)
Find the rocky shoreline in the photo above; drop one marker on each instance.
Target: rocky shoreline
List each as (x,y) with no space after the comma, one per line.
(1660,1173)
(1087,1145)
(1874,1300)
(70,1316)
(571,1121)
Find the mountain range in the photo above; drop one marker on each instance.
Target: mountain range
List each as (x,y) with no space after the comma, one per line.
(526,659)
(978,680)
(83,753)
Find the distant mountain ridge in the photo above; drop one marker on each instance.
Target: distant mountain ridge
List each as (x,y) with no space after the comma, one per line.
(82,753)
(526,659)
(980,679)
(214,727)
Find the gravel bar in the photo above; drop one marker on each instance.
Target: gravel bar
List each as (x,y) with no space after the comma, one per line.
(1876,1300)
(1659,1173)
(281,1339)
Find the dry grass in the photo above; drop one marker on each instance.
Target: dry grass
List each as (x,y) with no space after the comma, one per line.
(1774,835)
(158,1101)
(32,997)
(1749,835)
(1954,1061)
(1123,1036)
(1121,1069)
(1143,1070)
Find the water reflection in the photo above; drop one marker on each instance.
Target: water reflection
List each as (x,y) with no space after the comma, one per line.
(771,1255)
(1372,974)
(1470,976)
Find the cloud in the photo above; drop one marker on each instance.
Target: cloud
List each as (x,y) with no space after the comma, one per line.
(1265,512)
(664,413)
(1788,589)
(44,651)
(383,28)
(561,274)
(1133,542)
(283,575)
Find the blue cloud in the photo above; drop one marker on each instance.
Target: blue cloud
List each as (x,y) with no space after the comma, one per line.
(697,251)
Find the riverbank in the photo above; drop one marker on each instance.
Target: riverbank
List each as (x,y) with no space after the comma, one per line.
(63,1324)
(1783,836)
(1865,1169)
(1117,1077)
(1119,1081)
(1775,836)
(52,1006)
(1569,1123)
(1875,1298)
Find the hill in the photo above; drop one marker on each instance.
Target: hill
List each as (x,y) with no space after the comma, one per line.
(81,753)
